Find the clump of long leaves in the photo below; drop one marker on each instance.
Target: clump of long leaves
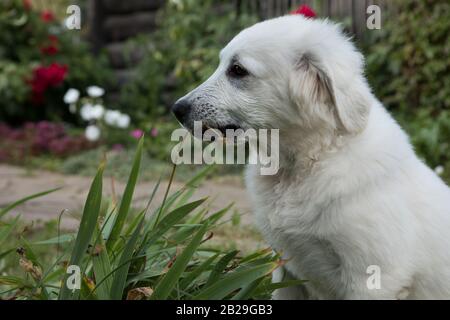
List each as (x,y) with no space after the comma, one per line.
(124,254)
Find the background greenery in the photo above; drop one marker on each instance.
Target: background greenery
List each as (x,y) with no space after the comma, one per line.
(182,53)
(408,67)
(25,33)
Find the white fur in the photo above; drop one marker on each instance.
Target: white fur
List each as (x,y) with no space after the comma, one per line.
(350,191)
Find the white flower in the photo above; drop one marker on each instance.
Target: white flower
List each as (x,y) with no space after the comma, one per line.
(86,112)
(95,91)
(73,108)
(97,111)
(123,121)
(439,170)
(71,96)
(111,117)
(92,132)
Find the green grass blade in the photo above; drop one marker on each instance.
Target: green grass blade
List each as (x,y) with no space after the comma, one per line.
(233,281)
(120,275)
(14,281)
(247,291)
(270,287)
(169,220)
(258,254)
(194,274)
(5,253)
(151,223)
(57,240)
(108,222)
(168,282)
(23,200)
(220,267)
(29,252)
(125,203)
(193,182)
(87,227)
(172,175)
(102,267)
(212,219)
(188,228)
(5,231)
(185,197)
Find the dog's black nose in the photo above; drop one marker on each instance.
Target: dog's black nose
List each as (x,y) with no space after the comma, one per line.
(181,110)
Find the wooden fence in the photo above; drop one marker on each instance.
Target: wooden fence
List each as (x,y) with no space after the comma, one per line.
(351,12)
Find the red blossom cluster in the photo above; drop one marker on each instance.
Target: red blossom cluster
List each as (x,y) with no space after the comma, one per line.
(32,139)
(26,4)
(47,16)
(51,47)
(305,10)
(45,77)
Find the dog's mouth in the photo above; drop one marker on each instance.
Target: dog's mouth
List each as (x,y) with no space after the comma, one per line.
(220,130)
(231,126)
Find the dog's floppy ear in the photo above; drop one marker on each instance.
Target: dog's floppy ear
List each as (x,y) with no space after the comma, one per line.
(312,87)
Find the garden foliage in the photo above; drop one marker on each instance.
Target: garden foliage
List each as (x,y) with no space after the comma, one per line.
(408,66)
(39,60)
(182,53)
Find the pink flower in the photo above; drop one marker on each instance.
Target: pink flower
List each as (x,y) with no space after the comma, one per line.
(154,132)
(305,11)
(137,133)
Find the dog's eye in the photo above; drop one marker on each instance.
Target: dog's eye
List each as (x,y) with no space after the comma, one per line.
(237,71)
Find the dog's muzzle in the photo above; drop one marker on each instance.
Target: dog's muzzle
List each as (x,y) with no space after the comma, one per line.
(181,110)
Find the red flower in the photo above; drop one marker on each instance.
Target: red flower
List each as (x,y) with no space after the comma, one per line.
(26,4)
(52,47)
(47,16)
(49,50)
(45,77)
(305,11)
(53,39)
(56,73)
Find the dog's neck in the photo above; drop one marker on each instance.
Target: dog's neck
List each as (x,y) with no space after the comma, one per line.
(301,150)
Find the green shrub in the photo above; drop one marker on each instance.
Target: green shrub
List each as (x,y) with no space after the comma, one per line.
(39,60)
(124,253)
(408,66)
(182,53)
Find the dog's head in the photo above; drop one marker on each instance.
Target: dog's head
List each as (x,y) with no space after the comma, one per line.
(283,73)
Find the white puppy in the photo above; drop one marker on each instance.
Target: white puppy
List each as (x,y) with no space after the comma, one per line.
(350,192)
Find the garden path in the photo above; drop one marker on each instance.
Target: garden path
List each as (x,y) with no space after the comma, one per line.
(18,182)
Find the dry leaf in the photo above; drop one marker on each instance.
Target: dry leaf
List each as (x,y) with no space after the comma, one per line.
(139,293)
(28,266)
(95,251)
